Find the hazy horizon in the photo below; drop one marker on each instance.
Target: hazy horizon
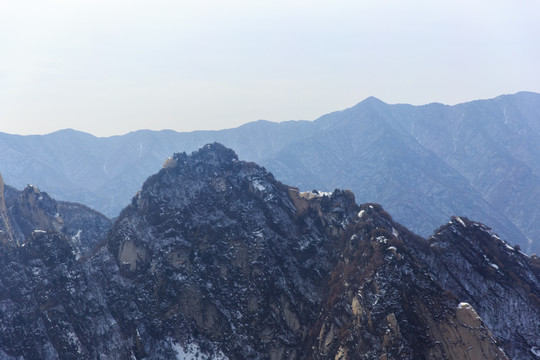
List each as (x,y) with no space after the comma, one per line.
(231,127)
(109,68)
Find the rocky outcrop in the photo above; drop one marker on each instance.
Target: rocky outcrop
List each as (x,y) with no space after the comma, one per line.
(36,211)
(24,212)
(216,259)
(223,252)
(383,304)
(294,275)
(499,281)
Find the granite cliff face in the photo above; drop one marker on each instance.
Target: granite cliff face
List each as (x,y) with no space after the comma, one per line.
(219,248)
(30,210)
(50,305)
(216,259)
(383,303)
(499,281)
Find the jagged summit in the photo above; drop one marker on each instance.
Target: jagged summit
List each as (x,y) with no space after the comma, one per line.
(383,303)
(499,281)
(227,227)
(210,154)
(216,259)
(244,257)
(217,151)
(24,212)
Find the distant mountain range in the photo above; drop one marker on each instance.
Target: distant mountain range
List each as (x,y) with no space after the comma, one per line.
(479,159)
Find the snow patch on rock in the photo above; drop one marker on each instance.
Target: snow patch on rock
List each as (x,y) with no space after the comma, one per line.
(193,352)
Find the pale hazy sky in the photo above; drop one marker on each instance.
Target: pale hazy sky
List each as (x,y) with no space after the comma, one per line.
(110,67)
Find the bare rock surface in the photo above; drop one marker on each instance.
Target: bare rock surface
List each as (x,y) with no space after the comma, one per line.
(216,259)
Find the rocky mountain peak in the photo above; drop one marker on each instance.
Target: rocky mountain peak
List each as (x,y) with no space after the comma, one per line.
(36,210)
(306,274)
(502,284)
(214,154)
(383,303)
(30,210)
(244,257)
(216,259)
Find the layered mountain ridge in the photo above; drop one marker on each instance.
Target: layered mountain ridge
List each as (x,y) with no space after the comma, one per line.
(422,163)
(216,259)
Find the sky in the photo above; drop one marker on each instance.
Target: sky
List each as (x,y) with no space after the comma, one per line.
(115,66)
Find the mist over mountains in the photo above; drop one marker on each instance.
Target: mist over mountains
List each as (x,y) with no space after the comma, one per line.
(479,159)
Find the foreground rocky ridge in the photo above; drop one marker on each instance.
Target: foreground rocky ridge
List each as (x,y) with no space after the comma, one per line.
(502,284)
(215,259)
